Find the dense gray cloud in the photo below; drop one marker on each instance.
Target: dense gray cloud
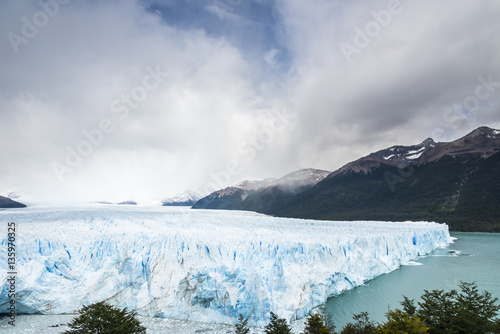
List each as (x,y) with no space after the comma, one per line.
(143,99)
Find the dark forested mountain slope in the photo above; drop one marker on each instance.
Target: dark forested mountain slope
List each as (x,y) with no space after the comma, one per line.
(457,183)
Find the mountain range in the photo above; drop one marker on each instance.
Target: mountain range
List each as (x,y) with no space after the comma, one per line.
(262,196)
(451,182)
(454,182)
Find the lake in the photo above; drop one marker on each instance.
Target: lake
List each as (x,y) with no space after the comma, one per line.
(472,257)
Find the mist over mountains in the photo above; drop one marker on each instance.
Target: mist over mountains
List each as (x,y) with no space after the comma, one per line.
(448,182)
(262,196)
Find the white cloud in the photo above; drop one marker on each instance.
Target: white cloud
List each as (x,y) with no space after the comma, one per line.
(396,90)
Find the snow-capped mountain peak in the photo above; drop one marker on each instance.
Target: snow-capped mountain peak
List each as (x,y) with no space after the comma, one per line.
(399,156)
(187,198)
(483,141)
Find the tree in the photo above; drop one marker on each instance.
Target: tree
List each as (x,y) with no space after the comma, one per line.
(315,325)
(452,312)
(402,323)
(437,310)
(242,326)
(327,319)
(102,318)
(475,312)
(496,327)
(277,325)
(362,325)
(409,306)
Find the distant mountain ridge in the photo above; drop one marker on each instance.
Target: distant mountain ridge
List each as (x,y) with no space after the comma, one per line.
(397,156)
(187,198)
(483,141)
(277,194)
(264,195)
(230,198)
(6,202)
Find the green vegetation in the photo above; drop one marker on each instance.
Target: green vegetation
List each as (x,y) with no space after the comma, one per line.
(242,326)
(361,325)
(102,318)
(316,325)
(277,325)
(401,322)
(467,311)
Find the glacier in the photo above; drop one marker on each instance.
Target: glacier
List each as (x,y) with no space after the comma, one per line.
(200,265)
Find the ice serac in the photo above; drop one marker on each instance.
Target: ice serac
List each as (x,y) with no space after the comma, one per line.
(200,265)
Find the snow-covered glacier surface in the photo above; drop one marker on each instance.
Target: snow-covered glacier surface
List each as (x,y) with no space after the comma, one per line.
(199,265)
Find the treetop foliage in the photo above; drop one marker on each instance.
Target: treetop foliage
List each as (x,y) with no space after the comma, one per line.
(315,325)
(467,311)
(361,325)
(277,326)
(102,318)
(242,326)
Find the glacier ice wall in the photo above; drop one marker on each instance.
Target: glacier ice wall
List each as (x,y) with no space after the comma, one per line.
(200,265)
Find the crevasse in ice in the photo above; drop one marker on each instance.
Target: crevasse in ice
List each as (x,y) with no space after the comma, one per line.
(199,265)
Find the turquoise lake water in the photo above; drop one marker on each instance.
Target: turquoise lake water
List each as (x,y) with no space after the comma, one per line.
(472,257)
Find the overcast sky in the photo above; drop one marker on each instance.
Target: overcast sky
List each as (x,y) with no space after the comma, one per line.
(117,100)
